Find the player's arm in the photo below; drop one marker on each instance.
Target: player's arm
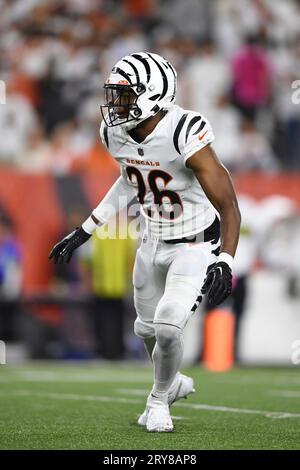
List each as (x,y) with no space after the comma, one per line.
(116,199)
(217,185)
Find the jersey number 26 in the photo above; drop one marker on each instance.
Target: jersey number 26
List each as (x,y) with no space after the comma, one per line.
(158,194)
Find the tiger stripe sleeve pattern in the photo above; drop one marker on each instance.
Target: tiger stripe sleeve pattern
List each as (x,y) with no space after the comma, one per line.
(192,133)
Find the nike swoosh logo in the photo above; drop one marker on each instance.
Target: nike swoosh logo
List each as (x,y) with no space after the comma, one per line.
(202,135)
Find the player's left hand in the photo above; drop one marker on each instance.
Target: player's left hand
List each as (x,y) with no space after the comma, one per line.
(63,250)
(218,283)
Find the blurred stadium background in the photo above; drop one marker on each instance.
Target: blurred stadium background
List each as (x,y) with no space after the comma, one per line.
(238,63)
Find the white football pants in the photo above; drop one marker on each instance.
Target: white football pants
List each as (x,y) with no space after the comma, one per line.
(167,282)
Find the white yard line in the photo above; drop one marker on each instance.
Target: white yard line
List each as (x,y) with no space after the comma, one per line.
(267,414)
(194,406)
(202,406)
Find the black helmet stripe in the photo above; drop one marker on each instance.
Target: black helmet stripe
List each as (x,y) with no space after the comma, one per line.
(164,77)
(191,124)
(134,69)
(124,74)
(154,97)
(145,63)
(200,127)
(178,130)
(171,67)
(105,134)
(174,73)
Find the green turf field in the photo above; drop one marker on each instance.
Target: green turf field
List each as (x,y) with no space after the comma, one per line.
(95,406)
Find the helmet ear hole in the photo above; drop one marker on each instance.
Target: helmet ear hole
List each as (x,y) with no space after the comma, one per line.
(137,112)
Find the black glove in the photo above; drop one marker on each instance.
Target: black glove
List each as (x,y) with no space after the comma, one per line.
(218,283)
(63,250)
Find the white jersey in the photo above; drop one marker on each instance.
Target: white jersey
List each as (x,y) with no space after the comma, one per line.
(172,201)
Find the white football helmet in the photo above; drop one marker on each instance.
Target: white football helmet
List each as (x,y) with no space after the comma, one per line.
(139,86)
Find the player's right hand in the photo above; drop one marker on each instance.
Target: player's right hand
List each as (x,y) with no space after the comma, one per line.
(63,250)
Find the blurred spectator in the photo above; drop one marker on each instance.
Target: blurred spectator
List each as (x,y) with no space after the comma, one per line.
(226,121)
(190,18)
(279,217)
(54,109)
(109,270)
(59,155)
(286,134)
(227,27)
(34,157)
(283,251)
(140,10)
(129,40)
(280,239)
(23,85)
(235,20)
(69,284)
(252,78)
(207,77)
(10,280)
(144,13)
(17,123)
(253,151)
(284,21)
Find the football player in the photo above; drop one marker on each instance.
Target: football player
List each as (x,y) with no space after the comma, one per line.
(190,210)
